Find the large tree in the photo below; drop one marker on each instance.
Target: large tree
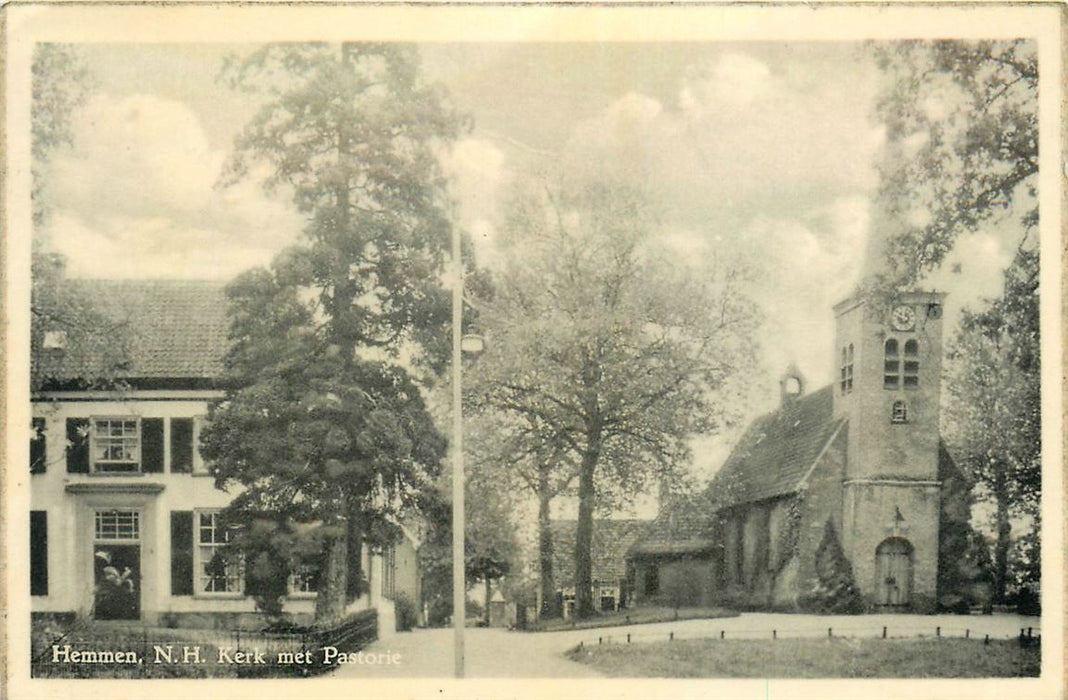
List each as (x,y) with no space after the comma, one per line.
(607,346)
(352,133)
(961,122)
(961,157)
(994,411)
(522,452)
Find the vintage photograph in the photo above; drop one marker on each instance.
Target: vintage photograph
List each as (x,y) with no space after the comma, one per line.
(357,359)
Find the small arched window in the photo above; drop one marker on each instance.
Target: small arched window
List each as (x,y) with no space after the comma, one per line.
(891,365)
(911,376)
(899,413)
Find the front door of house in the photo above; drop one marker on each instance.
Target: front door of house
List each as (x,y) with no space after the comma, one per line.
(117,565)
(893,572)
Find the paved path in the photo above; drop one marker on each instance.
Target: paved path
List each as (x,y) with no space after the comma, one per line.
(498,653)
(490,653)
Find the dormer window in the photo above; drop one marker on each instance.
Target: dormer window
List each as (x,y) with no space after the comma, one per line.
(899,413)
(54,340)
(891,365)
(911,375)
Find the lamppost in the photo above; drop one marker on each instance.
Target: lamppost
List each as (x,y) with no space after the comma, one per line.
(460,344)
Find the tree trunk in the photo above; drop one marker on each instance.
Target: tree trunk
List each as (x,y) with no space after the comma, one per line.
(354,559)
(584,537)
(330,602)
(549,607)
(1001,545)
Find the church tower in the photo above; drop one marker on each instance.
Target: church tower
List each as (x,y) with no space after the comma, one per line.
(888,364)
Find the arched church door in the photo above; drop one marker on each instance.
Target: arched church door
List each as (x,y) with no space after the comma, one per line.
(893,572)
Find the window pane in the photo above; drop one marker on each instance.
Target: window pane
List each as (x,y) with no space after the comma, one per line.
(117,525)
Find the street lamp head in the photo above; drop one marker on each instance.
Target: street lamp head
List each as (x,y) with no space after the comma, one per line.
(472,344)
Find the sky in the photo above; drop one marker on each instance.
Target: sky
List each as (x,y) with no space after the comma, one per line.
(764,151)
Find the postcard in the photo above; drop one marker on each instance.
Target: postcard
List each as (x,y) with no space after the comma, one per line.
(465,350)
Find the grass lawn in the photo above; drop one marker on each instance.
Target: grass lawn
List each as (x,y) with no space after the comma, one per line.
(814,658)
(634,616)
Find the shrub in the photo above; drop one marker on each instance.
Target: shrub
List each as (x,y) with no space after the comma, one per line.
(406,613)
(836,592)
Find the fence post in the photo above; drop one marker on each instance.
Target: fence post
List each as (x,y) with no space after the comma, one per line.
(671,636)
(599,640)
(722,633)
(967,633)
(884,632)
(774,634)
(829,633)
(986,640)
(628,637)
(938,631)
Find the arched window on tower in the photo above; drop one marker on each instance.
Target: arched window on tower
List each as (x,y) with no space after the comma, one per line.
(899,413)
(891,365)
(912,364)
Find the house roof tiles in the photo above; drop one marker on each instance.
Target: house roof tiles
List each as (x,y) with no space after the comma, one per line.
(165,329)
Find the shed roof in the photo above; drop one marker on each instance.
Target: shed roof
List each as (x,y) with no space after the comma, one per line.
(685,527)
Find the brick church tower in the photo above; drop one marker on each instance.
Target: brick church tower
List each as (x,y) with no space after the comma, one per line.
(887,385)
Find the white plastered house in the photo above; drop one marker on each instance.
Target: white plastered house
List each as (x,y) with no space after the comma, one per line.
(121,499)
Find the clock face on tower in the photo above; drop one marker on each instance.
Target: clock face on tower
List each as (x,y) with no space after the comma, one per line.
(903,318)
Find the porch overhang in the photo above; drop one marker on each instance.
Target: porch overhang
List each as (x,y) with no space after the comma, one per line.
(90,487)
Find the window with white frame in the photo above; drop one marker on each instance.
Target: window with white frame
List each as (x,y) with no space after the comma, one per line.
(220,571)
(117,525)
(304,579)
(116,445)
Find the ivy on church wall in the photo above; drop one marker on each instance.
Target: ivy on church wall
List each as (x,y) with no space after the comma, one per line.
(789,534)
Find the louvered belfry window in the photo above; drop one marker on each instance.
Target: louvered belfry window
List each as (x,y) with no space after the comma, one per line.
(891,365)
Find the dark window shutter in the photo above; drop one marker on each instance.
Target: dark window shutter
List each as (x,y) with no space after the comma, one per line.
(182,445)
(38,454)
(38,552)
(151,444)
(181,552)
(78,445)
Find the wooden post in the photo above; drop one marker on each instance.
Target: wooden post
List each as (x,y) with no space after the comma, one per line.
(986,640)
(828,633)
(967,633)
(599,640)
(774,634)
(938,631)
(628,637)
(884,632)
(671,636)
(722,633)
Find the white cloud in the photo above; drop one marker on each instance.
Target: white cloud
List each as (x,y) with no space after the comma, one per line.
(137,198)
(735,79)
(477,171)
